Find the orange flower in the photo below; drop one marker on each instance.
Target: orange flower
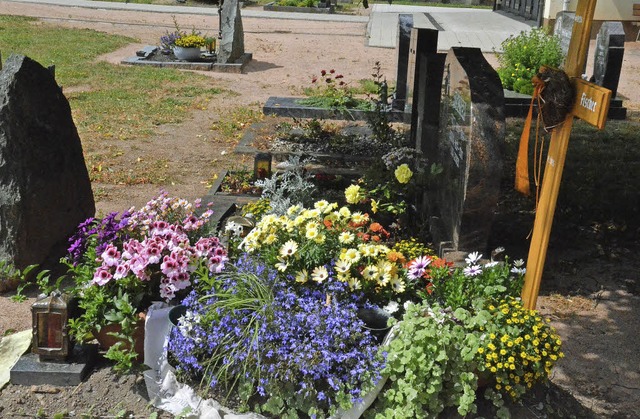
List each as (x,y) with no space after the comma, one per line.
(328,224)
(394,256)
(376,227)
(429,288)
(375,238)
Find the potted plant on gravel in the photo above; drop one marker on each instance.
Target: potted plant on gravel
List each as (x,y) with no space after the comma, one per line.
(121,264)
(187,47)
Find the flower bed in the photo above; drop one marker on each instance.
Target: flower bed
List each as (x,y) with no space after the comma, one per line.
(274,326)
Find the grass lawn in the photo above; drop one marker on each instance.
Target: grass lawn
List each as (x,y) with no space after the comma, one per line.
(106,99)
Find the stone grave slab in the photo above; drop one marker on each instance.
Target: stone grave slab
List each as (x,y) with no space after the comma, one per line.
(29,370)
(472,126)
(289,107)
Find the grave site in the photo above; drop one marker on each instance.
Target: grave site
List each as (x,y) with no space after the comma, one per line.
(320,227)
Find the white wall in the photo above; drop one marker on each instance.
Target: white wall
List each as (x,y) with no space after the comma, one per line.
(605,9)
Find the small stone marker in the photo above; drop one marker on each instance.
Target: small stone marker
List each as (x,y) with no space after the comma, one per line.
(608,56)
(232,42)
(405,24)
(424,76)
(30,371)
(45,190)
(472,125)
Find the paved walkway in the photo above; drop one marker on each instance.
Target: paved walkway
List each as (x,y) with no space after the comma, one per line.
(479,28)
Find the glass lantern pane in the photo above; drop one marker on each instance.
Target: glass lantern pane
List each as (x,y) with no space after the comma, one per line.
(50,330)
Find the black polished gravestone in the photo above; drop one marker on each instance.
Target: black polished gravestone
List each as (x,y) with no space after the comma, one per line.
(424,77)
(405,24)
(607,60)
(472,126)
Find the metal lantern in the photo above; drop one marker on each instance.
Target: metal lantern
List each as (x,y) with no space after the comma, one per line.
(50,331)
(262,166)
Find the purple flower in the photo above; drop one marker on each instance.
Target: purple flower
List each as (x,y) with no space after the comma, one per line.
(418,267)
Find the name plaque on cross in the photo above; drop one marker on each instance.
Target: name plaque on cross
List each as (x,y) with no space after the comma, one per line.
(592,103)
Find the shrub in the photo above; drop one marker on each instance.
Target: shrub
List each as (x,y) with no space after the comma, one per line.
(523,54)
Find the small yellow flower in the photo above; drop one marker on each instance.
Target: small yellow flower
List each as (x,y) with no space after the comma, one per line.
(352,194)
(403,173)
(374,206)
(302,276)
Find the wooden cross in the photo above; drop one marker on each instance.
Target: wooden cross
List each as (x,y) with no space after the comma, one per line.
(591,105)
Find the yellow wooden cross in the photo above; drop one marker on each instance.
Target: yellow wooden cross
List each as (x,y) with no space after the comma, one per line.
(591,105)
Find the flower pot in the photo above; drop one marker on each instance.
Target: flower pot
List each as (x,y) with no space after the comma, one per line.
(106,340)
(375,320)
(175,313)
(187,54)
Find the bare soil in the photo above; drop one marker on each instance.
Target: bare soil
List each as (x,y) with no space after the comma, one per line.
(590,289)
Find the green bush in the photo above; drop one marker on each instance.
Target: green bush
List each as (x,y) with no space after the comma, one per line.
(523,54)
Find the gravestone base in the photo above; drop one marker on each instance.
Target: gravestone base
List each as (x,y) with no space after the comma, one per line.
(516,105)
(153,58)
(289,107)
(29,370)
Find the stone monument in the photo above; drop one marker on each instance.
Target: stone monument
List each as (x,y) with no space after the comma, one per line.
(405,24)
(45,190)
(608,56)
(563,29)
(231,32)
(424,77)
(472,125)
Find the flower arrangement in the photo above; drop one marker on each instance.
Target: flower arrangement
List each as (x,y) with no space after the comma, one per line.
(190,41)
(273,348)
(389,187)
(518,346)
(310,246)
(180,38)
(469,323)
(121,264)
(461,286)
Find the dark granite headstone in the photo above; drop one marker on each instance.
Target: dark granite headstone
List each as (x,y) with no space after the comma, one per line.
(405,24)
(607,61)
(472,126)
(45,190)
(423,91)
(232,42)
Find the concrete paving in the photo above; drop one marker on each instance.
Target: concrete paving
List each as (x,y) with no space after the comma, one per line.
(479,28)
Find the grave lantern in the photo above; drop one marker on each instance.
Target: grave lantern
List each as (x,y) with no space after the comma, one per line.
(50,315)
(262,166)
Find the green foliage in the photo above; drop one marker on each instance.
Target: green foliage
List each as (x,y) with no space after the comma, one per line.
(256,209)
(431,363)
(28,276)
(330,91)
(523,54)
(296,3)
(108,105)
(463,286)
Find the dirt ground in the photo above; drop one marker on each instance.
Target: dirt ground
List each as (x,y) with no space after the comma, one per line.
(590,289)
